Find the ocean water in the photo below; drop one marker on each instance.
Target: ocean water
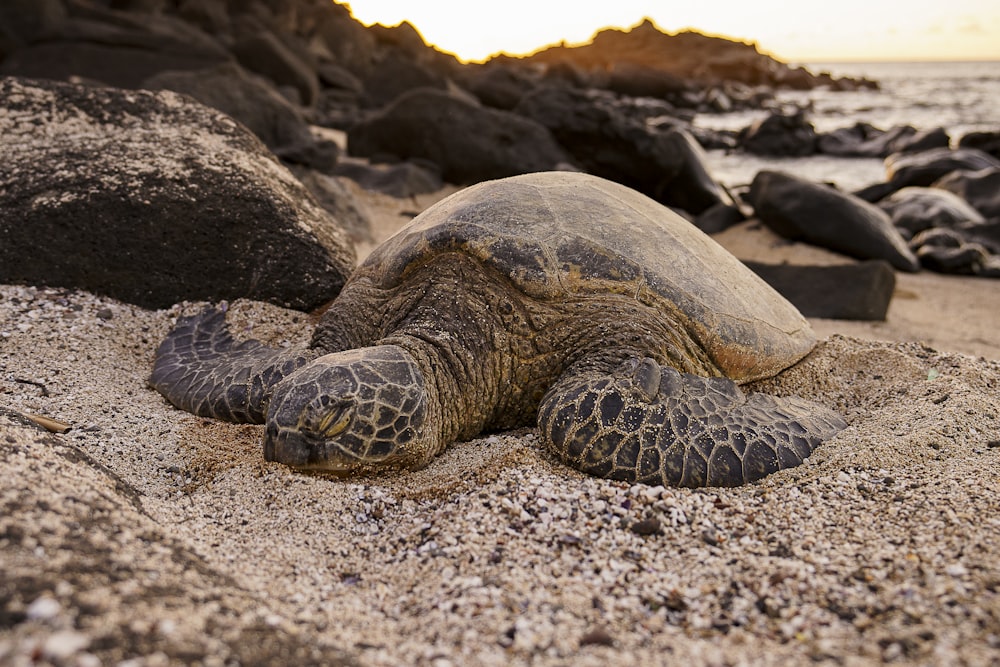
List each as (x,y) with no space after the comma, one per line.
(960,96)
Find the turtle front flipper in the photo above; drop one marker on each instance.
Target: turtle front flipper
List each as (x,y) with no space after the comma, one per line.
(651,424)
(201,369)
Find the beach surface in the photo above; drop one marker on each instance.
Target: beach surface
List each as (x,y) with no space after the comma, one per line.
(150,532)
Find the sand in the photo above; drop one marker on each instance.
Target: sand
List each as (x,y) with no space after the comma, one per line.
(149,535)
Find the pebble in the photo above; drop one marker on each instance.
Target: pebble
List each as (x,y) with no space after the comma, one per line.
(64,643)
(44,608)
(597,637)
(647,526)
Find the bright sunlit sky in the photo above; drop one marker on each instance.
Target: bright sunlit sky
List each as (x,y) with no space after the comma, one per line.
(802,31)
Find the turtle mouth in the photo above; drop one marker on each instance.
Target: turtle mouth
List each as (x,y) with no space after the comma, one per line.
(315,455)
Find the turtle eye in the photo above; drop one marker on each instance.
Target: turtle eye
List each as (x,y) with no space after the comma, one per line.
(335,421)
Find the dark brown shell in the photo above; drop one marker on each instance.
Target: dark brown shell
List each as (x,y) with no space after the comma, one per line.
(556,234)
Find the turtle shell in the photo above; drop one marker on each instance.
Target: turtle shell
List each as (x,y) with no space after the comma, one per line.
(563,234)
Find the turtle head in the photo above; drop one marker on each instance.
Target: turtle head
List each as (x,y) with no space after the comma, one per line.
(351,411)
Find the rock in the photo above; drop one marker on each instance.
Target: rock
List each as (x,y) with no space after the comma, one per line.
(469,143)
(209,15)
(265,54)
(864,140)
(668,165)
(24,21)
(74,529)
(334,76)
(402,61)
(338,201)
(986,234)
(859,291)
(154,199)
(115,48)
(875,192)
(801,210)
(923,141)
(246,97)
(395,75)
(922,169)
(597,636)
(401,180)
(640,80)
(948,251)
(916,209)
(981,189)
(780,135)
(497,86)
(988,142)
(348,42)
(719,217)
(692,189)
(338,108)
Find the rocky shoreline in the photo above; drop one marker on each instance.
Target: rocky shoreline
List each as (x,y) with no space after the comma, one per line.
(160,154)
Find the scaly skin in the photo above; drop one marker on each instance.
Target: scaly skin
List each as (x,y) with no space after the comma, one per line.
(617,409)
(201,369)
(644,423)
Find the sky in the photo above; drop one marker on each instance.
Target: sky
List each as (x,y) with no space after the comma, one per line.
(804,31)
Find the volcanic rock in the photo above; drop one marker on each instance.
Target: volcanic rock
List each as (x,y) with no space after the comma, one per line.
(780,135)
(154,199)
(801,210)
(469,143)
(915,209)
(857,291)
(980,188)
(923,168)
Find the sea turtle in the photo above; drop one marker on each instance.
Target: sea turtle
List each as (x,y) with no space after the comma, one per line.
(562,296)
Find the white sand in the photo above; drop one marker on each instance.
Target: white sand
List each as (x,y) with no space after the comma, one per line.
(885,546)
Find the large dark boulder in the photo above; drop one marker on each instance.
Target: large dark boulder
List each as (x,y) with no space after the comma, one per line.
(986,141)
(116,48)
(252,100)
(23,21)
(402,61)
(864,140)
(668,165)
(348,41)
(402,179)
(817,213)
(858,291)
(243,95)
(645,81)
(924,140)
(954,251)
(396,74)
(693,188)
(497,86)
(152,198)
(922,169)
(468,142)
(265,54)
(980,188)
(916,209)
(334,196)
(780,135)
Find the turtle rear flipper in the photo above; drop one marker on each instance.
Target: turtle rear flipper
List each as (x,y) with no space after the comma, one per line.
(654,425)
(200,368)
